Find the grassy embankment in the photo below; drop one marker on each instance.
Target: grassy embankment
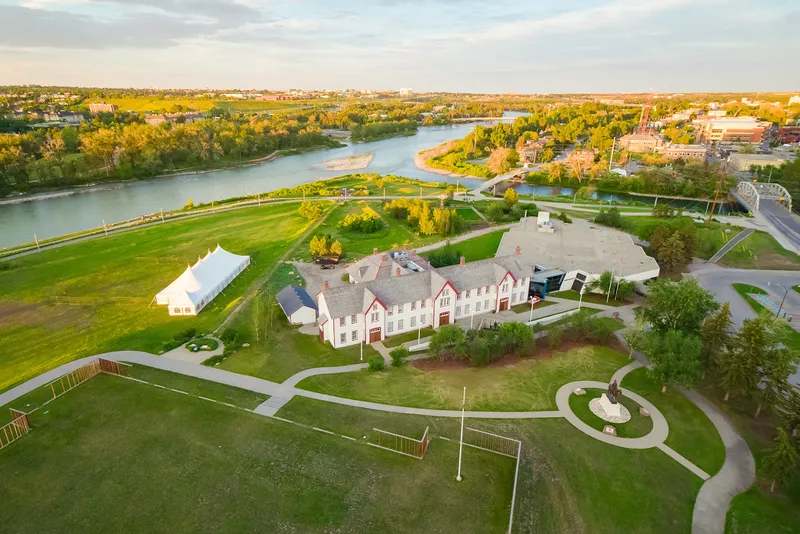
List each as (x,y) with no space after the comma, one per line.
(790,336)
(95,296)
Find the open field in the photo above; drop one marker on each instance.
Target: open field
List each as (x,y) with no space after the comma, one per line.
(757,512)
(394,234)
(95,296)
(528,384)
(589,298)
(479,248)
(169,462)
(568,482)
(691,433)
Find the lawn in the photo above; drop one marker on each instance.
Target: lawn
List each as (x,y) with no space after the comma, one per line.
(526,307)
(468,214)
(167,462)
(757,512)
(588,298)
(691,433)
(394,234)
(568,482)
(791,337)
(479,248)
(529,384)
(637,427)
(399,339)
(95,296)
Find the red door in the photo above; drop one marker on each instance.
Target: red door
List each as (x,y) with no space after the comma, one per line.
(374,335)
(321,334)
(444,318)
(503,304)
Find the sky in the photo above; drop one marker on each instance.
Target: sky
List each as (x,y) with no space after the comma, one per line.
(493,46)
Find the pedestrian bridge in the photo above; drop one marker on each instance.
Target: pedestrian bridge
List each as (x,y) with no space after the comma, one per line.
(751,193)
(488,184)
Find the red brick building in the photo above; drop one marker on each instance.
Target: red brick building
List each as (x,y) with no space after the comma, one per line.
(789,134)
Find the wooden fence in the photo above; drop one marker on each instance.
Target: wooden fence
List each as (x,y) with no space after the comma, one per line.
(66,382)
(415,448)
(18,427)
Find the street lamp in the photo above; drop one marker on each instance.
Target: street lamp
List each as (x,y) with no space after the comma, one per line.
(785,292)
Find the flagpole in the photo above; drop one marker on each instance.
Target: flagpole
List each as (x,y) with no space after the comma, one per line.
(461,441)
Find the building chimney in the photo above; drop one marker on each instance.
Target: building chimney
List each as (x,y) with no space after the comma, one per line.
(517,250)
(405,246)
(374,251)
(462,261)
(325,285)
(397,272)
(414,252)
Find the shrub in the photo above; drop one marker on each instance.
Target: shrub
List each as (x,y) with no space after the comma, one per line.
(563,217)
(554,336)
(179,339)
(229,336)
(398,355)
(6,265)
(346,277)
(376,363)
(610,218)
(214,360)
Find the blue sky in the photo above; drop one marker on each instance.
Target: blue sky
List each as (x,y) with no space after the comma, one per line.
(539,46)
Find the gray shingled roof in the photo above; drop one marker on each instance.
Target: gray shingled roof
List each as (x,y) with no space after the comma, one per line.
(483,272)
(292,298)
(344,300)
(399,290)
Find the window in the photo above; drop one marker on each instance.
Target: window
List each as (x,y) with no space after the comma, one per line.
(341,321)
(375,316)
(486,304)
(343,338)
(400,324)
(413,306)
(505,288)
(353,319)
(477,306)
(513,298)
(187,310)
(479,291)
(445,292)
(176,310)
(422,303)
(467,295)
(466,309)
(354,336)
(390,311)
(445,301)
(458,310)
(421,319)
(390,327)
(374,307)
(514,284)
(413,322)
(458,296)
(399,308)
(486,290)
(522,296)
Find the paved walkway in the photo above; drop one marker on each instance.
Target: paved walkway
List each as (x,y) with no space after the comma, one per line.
(727,247)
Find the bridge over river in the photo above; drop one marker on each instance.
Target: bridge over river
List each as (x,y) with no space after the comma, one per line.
(771,204)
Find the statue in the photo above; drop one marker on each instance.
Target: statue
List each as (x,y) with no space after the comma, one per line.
(613,392)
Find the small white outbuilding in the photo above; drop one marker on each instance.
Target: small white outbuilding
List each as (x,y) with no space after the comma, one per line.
(298,305)
(201,282)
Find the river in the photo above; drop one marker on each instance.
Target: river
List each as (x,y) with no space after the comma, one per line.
(72,210)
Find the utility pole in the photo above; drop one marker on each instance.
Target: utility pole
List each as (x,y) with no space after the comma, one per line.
(714,205)
(162,215)
(105,231)
(611,159)
(36,239)
(461,441)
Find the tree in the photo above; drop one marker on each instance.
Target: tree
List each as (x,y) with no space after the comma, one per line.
(502,159)
(336,249)
(739,370)
(611,218)
(679,306)
(511,197)
(778,366)
(101,144)
(54,148)
(781,462)
(310,210)
(715,335)
(635,337)
(602,284)
(448,341)
(318,246)
(675,358)
(790,412)
(516,337)
(557,170)
(672,254)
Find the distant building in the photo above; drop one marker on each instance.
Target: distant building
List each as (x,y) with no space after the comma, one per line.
(641,143)
(102,107)
(531,151)
(744,162)
(582,158)
(733,130)
(789,134)
(406,91)
(794,100)
(696,152)
(155,119)
(64,116)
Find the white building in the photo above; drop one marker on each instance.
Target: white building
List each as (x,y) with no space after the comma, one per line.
(201,282)
(374,310)
(297,304)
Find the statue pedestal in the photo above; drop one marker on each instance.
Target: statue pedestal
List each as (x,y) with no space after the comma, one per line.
(611,409)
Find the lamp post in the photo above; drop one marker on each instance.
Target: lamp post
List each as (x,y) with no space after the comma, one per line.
(461,441)
(361,337)
(785,292)
(580,298)
(611,281)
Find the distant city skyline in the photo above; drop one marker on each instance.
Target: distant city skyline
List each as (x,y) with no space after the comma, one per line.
(566,46)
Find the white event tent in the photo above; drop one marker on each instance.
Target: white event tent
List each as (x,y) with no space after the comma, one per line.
(201,282)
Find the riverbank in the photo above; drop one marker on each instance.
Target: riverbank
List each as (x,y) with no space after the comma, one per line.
(37,193)
(421,162)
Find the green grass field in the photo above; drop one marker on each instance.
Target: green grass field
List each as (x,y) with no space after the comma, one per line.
(105,287)
(399,339)
(479,248)
(637,427)
(394,234)
(589,298)
(757,512)
(115,455)
(529,384)
(568,482)
(691,433)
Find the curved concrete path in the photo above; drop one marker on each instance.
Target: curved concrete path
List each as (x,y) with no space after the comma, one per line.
(183,354)
(738,473)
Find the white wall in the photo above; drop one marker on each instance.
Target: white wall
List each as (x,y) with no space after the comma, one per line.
(407,315)
(304,315)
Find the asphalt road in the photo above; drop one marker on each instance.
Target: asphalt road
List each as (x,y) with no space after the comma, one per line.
(787,223)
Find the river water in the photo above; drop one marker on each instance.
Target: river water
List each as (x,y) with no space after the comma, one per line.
(72,210)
